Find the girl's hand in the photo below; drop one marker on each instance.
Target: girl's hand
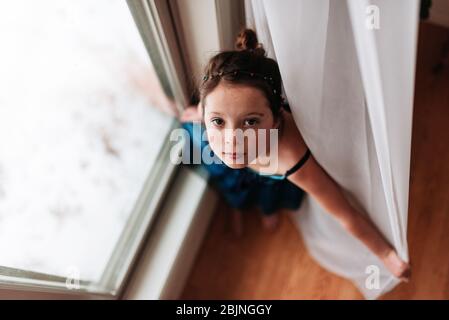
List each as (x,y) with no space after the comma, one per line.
(397,266)
(190,114)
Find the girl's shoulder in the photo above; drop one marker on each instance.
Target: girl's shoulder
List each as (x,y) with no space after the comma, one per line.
(291,145)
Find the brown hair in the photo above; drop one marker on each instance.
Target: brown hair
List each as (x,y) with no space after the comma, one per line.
(247,65)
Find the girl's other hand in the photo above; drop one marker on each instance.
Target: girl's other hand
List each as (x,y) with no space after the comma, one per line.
(397,266)
(190,114)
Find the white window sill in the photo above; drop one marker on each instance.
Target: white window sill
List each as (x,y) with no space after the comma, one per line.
(170,250)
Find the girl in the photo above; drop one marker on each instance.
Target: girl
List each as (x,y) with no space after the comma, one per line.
(243,188)
(241,89)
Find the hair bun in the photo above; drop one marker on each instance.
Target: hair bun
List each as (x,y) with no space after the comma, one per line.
(247,40)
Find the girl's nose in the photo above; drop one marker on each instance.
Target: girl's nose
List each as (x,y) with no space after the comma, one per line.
(234,141)
(230,136)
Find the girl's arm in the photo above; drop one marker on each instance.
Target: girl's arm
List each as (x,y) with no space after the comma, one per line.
(191,114)
(313,179)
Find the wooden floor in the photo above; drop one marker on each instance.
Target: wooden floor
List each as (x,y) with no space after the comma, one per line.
(263,265)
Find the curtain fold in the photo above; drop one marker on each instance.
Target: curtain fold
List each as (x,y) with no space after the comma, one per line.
(351,94)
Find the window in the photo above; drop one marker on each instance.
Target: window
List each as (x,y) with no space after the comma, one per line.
(82,142)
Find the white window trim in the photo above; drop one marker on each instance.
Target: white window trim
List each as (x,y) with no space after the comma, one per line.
(170,252)
(174,242)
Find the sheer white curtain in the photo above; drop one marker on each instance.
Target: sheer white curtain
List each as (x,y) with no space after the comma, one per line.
(351,93)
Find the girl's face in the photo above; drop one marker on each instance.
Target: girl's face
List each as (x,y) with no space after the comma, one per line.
(231,107)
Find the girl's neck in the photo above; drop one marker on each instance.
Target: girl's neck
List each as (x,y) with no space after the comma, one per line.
(267,157)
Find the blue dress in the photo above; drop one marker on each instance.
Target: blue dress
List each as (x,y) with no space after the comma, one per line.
(244,188)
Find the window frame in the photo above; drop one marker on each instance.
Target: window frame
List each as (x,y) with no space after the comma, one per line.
(154,22)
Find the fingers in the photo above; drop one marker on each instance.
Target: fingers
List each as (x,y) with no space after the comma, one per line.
(190,114)
(406,274)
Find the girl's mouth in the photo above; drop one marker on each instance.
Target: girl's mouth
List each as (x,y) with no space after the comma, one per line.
(233,155)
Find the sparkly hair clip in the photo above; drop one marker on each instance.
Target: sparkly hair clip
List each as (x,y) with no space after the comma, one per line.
(266,78)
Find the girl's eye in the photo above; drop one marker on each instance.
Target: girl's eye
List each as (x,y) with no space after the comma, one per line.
(251,122)
(217,121)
